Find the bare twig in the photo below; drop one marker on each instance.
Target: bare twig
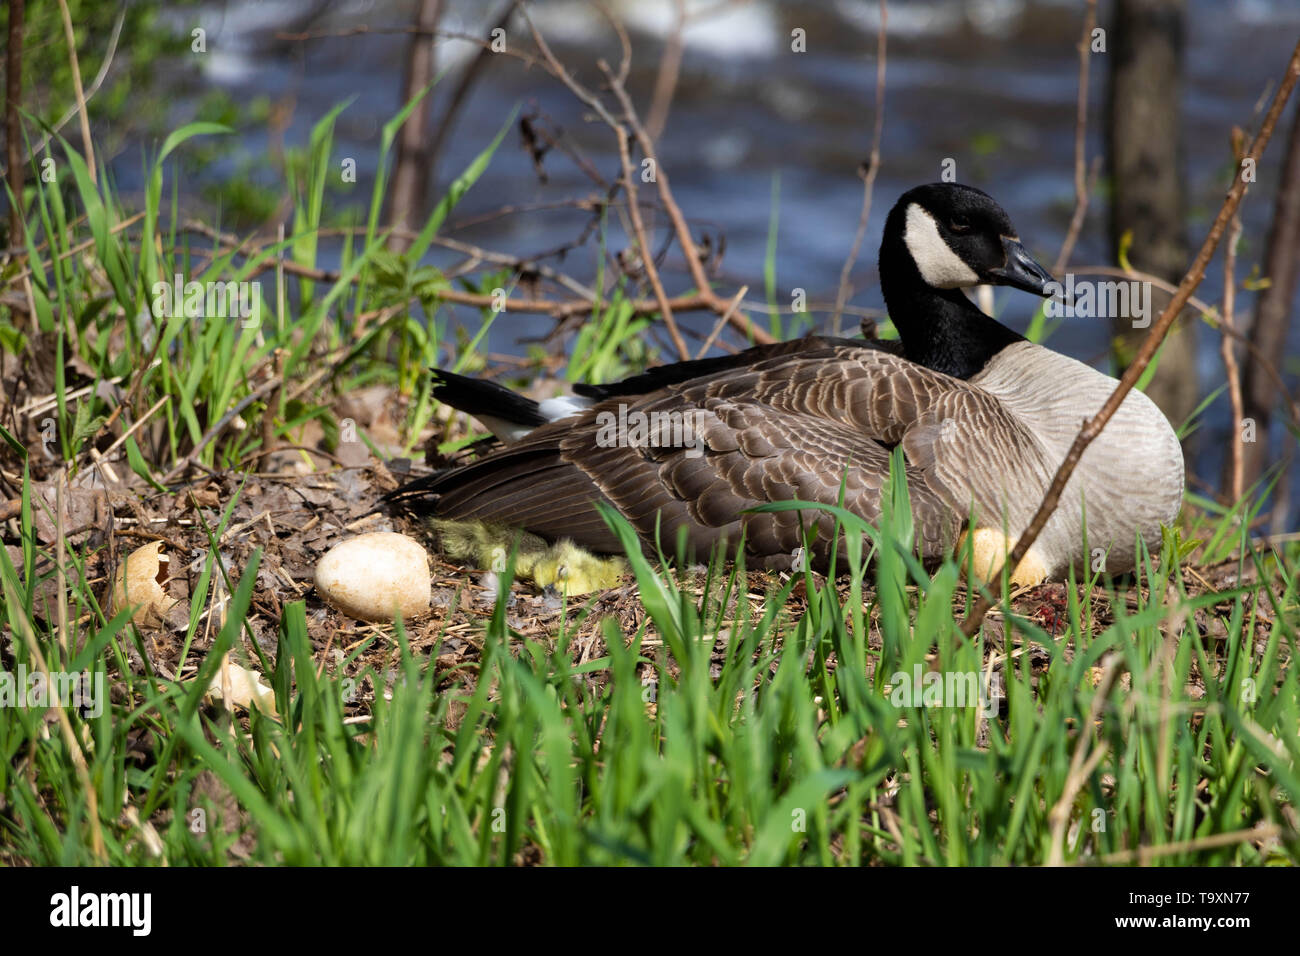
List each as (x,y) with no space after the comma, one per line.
(680,227)
(682,230)
(262,390)
(643,245)
(1092,427)
(13,125)
(717,328)
(1145,854)
(1081,184)
(704,296)
(1209,314)
(593,101)
(77,249)
(1226,347)
(868,173)
(461,92)
(670,65)
(558,309)
(91,90)
(71,37)
(410,168)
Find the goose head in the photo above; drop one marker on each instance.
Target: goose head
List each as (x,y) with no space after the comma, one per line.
(938,239)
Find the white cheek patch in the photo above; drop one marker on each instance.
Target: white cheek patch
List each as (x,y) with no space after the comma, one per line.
(939,266)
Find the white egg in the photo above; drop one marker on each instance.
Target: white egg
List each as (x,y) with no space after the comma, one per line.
(374,576)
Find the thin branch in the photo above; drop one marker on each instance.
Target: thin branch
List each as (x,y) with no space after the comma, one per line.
(638,226)
(1234,477)
(406,197)
(1143,855)
(91,90)
(71,37)
(670,65)
(1209,315)
(680,227)
(868,174)
(717,328)
(460,94)
(1081,184)
(13,124)
(1092,427)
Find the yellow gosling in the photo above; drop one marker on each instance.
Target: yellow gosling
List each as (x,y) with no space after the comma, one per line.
(563,565)
(572,570)
(989,550)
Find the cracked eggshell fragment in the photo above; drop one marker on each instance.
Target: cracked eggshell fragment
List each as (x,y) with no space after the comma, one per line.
(140,584)
(246,689)
(373,576)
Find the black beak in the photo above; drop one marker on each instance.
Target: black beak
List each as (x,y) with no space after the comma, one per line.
(1021,271)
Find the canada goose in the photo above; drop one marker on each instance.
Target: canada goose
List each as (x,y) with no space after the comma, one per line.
(984,418)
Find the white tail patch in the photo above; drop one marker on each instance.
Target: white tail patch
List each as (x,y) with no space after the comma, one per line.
(553,409)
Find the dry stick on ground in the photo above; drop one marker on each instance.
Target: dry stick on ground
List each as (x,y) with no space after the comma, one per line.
(1143,855)
(1092,427)
(868,174)
(327,363)
(1081,186)
(262,390)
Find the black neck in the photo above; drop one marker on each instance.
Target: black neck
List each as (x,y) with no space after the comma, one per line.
(940,328)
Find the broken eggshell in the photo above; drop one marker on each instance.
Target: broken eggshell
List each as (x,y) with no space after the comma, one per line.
(374,576)
(246,688)
(140,584)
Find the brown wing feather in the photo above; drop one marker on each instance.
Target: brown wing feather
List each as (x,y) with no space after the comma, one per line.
(789,426)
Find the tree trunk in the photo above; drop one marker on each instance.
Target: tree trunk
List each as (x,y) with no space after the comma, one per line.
(406,198)
(13,124)
(1143,127)
(1273,310)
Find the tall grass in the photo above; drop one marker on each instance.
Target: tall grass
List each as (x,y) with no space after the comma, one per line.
(747,721)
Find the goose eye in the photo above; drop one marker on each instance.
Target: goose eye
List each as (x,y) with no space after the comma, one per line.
(959,224)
